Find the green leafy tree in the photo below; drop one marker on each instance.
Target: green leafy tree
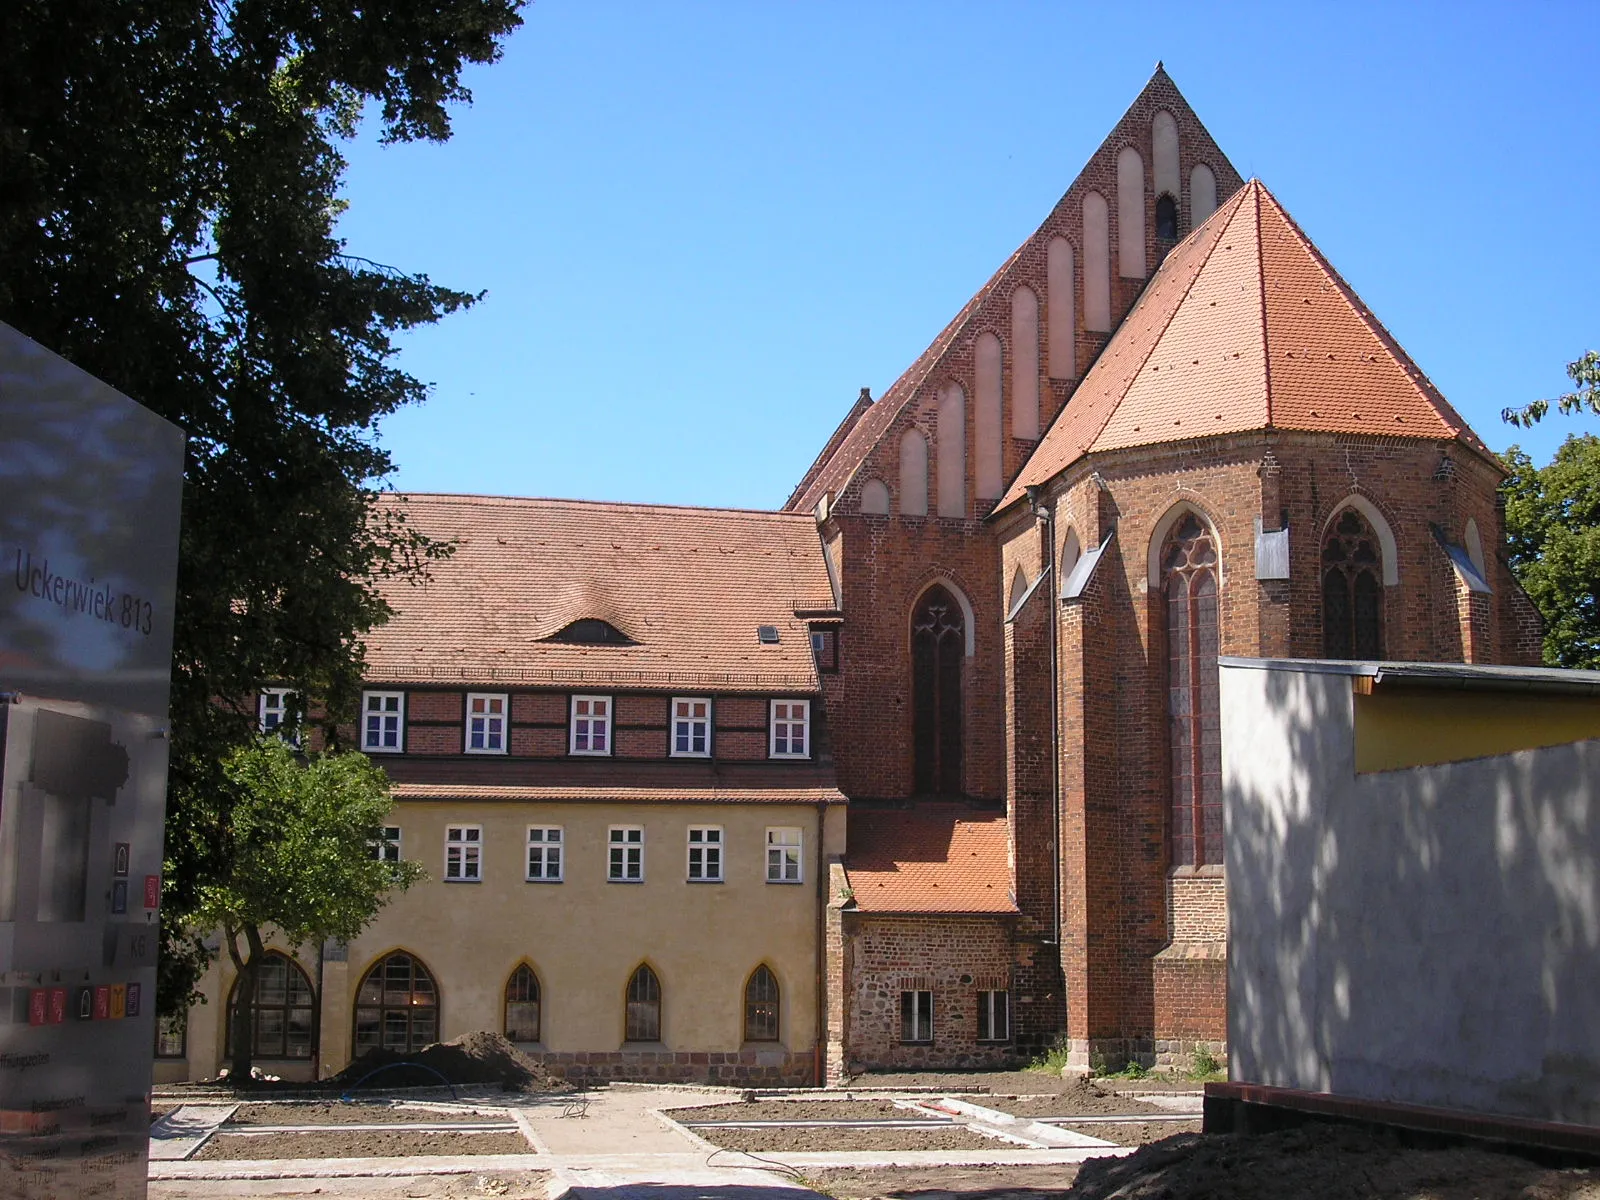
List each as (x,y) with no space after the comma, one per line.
(170,178)
(299,861)
(1553,535)
(1585,396)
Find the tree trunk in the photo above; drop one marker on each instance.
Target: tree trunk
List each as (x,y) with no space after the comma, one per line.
(243,1015)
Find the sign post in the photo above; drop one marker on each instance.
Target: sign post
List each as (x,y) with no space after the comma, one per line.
(90,486)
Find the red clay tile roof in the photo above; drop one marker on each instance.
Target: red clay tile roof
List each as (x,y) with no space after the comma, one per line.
(929,860)
(688,586)
(1245,326)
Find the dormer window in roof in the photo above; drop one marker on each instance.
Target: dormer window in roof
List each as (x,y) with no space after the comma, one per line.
(591,631)
(767,635)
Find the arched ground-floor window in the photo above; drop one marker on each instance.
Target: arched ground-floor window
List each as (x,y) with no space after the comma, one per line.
(284,1017)
(644,1006)
(522,1005)
(397,1006)
(761,1006)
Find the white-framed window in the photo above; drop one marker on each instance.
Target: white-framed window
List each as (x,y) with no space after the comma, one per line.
(691,727)
(791,729)
(486,722)
(591,725)
(463,853)
(544,853)
(783,855)
(384,845)
(994,1016)
(705,854)
(275,713)
(383,716)
(916,1016)
(625,854)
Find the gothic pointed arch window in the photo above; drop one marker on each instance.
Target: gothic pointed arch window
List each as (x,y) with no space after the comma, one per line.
(644,1006)
(1189,581)
(1352,589)
(397,1006)
(938,646)
(761,1006)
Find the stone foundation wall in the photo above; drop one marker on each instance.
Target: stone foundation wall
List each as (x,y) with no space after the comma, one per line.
(953,957)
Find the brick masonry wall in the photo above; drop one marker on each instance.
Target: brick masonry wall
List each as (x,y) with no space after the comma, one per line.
(888,563)
(1122,909)
(1198,902)
(954,957)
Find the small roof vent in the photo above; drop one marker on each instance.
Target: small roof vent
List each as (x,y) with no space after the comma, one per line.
(767,635)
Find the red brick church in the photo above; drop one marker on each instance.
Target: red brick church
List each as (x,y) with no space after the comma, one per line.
(1164,430)
(923,770)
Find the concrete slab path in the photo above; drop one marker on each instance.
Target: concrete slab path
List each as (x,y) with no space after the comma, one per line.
(184,1130)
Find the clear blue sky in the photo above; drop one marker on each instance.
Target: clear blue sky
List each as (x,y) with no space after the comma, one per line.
(703,227)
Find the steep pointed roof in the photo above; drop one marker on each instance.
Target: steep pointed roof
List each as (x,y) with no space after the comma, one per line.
(865,427)
(1245,326)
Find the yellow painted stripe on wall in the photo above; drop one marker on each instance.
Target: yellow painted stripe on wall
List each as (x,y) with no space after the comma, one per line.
(1416,728)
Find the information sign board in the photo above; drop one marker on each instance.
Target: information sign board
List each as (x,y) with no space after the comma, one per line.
(91,484)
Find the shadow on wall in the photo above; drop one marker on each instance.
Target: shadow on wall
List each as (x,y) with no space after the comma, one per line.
(1428,935)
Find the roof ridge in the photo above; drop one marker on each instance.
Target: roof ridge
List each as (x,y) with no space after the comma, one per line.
(1414,374)
(863,403)
(1254,184)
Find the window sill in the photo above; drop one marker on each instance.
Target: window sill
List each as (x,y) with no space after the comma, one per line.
(640,880)
(1204,871)
(705,881)
(925,1042)
(588,754)
(687,754)
(786,882)
(790,757)
(485,753)
(543,880)
(462,881)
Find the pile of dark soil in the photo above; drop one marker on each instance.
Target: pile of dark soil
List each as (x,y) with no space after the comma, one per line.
(475,1058)
(1322,1162)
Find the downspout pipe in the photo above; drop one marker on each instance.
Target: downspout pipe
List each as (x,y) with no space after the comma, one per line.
(820,1026)
(1046,514)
